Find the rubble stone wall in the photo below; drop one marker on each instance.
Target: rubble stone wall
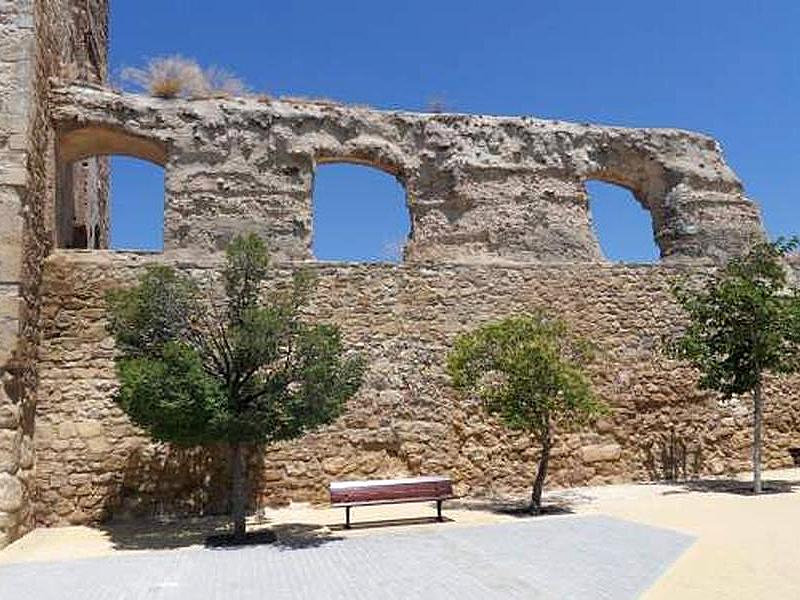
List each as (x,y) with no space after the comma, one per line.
(406,420)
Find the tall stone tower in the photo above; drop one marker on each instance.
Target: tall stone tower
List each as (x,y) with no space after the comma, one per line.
(39,40)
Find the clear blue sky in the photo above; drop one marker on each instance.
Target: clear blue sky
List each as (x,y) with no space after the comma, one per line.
(729,68)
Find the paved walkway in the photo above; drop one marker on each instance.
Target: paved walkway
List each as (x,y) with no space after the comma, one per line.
(592,557)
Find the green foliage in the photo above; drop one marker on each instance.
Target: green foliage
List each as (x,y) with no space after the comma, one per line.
(744,321)
(154,312)
(171,396)
(527,370)
(243,369)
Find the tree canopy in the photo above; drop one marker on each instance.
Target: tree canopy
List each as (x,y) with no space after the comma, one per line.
(743,322)
(201,365)
(529,371)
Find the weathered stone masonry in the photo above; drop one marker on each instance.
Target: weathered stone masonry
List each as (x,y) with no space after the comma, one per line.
(39,39)
(91,461)
(500,223)
(479,189)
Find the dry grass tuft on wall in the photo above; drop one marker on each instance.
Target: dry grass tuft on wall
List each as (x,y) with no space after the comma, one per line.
(179,77)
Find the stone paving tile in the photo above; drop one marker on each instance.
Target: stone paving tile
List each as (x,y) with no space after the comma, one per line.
(592,557)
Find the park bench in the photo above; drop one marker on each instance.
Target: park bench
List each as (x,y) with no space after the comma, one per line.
(391,491)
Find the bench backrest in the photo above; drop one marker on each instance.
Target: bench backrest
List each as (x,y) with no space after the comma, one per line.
(386,490)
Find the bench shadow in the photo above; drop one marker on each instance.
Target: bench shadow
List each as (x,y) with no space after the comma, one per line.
(735,487)
(171,534)
(377,524)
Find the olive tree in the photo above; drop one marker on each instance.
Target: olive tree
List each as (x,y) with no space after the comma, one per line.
(743,323)
(529,371)
(198,366)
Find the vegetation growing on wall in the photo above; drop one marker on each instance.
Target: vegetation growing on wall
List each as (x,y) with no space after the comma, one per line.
(179,77)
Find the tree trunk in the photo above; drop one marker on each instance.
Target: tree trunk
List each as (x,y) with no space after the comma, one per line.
(238,490)
(758,417)
(541,473)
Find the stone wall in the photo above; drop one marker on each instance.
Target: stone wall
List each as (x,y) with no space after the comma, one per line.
(93,463)
(479,189)
(39,39)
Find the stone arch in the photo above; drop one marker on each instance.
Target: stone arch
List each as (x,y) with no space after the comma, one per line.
(636,170)
(368,151)
(84,142)
(81,210)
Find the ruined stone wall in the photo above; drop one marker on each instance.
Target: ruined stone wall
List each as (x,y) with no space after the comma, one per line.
(39,40)
(500,223)
(479,189)
(92,462)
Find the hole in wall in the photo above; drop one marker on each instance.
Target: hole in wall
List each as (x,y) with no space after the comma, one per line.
(114,202)
(360,214)
(624,228)
(136,201)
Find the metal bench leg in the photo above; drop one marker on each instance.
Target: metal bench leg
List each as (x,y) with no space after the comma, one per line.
(347,517)
(439,511)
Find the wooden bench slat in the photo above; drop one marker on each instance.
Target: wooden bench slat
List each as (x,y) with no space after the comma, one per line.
(391,491)
(398,501)
(384,491)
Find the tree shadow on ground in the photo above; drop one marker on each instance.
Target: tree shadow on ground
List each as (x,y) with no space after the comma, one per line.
(211,532)
(514,507)
(734,486)
(283,536)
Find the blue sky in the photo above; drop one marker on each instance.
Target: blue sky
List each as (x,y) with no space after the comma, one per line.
(729,68)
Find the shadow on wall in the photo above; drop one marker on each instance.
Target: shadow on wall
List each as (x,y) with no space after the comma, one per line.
(162,480)
(671,458)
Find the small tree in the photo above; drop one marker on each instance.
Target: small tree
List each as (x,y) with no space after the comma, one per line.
(238,368)
(529,371)
(743,323)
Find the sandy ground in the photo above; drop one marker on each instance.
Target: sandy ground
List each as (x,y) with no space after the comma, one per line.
(746,547)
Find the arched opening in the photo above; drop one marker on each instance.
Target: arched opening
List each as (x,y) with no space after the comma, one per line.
(623,227)
(110,191)
(360,214)
(114,202)
(136,205)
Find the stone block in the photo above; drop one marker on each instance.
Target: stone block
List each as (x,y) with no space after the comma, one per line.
(89,429)
(600,453)
(26,453)
(15,175)
(12,494)
(9,413)
(9,327)
(10,446)
(67,430)
(98,446)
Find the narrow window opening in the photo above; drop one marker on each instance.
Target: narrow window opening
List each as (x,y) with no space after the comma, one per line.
(136,205)
(624,228)
(360,214)
(112,202)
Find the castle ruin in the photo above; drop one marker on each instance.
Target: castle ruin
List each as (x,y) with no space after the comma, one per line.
(500,223)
